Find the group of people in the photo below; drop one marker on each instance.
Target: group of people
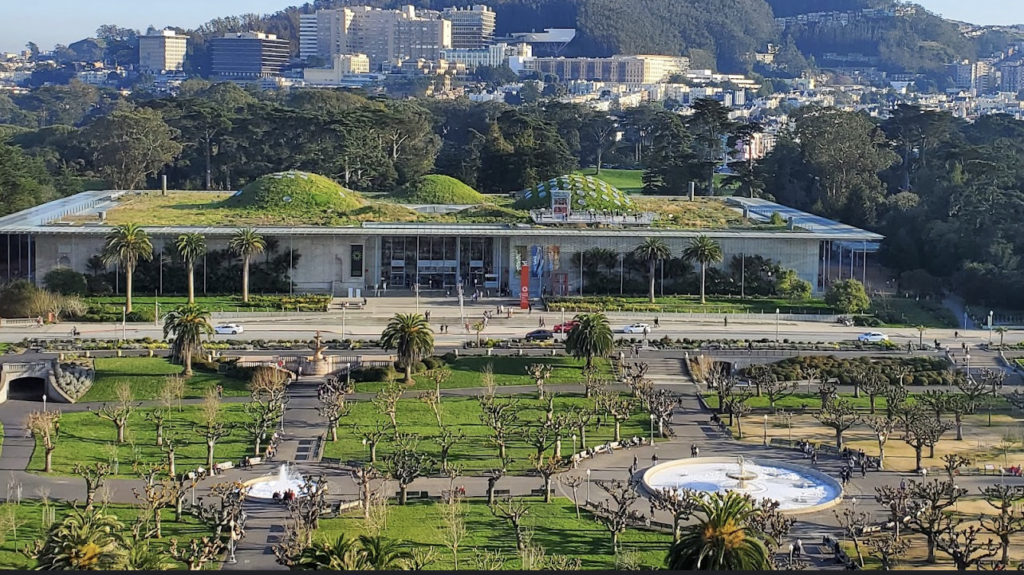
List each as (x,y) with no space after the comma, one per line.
(271,450)
(694,450)
(285,497)
(808,450)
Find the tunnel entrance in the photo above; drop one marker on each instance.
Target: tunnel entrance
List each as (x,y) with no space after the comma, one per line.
(26,389)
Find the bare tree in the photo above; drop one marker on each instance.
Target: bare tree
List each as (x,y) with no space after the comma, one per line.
(119,412)
(372,436)
(883,428)
(406,464)
(268,389)
(332,407)
(921,430)
(852,524)
(364,475)
(635,377)
(513,511)
(579,419)
(453,515)
(777,390)
(387,402)
(445,441)
(760,375)
(737,408)
(94,475)
(304,512)
(874,383)
(547,468)
(963,544)
(540,437)
(500,416)
(159,417)
(493,476)
(680,503)
(539,373)
(617,515)
(168,447)
(592,382)
(935,401)
(43,426)
(211,429)
(174,386)
(927,507)
(660,403)
(953,462)
(618,408)
(197,552)
(840,415)
(1009,521)
(897,501)
(432,398)
(888,549)
(155,496)
(573,482)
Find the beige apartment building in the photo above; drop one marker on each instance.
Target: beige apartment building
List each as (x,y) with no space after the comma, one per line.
(640,69)
(162,51)
(472,27)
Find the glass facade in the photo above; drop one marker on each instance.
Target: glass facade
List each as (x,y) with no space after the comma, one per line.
(438,262)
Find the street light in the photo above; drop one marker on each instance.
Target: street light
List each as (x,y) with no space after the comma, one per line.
(790,554)
(777,316)
(234,542)
(588,486)
(652,429)
(44,403)
(765,442)
(574,437)
(348,376)
(990,327)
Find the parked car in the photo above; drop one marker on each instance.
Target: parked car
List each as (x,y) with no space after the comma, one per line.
(872,337)
(565,327)
(229,329)
(637,328)
(539,335)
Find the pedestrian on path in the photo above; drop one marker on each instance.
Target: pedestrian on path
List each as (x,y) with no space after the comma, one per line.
(636,461)
(799,549)
(426,315)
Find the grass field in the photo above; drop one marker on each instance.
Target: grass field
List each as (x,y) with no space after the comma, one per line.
(689,304)
(466,372)
(147,375)
(628,181)
(214,303)
(554,527)
(811,402)
(29,515)
(86,438)
(906,312)
(475,453)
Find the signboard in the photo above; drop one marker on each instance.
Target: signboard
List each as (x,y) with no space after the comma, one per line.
(561,202)
(356,261)
(524,287)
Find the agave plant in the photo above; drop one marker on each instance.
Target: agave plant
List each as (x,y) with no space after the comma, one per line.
(86,540)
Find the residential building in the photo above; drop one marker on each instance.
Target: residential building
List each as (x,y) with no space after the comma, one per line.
(495,55)
(342,65)
(1012,78)
(249,55)
(641,69)
(385,36)
(472,27)
(162,51)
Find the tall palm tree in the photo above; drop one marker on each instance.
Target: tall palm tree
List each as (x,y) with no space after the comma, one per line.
(344,554)
(652,250)
(411,336)
(246,243)
(86,540)
(704,251)
(722,539)
(592,335)
(191,247)
(126,245)
(187,325)
(383,554)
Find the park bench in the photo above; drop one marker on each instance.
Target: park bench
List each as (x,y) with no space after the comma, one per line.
(782,443)
(502,493)
(224,466)
(255,460)
(408,494)
(989,469)
(539,492)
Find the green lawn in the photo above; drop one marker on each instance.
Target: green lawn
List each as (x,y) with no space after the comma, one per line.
(86,438)
(507,371)
(554,527)
(475,453)
(811,402)
(628,181)
(29,516)
(688,304)
(900,312)
(146,305)
(147,374)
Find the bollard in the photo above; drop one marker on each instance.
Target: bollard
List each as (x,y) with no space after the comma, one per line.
(520,350)
(489,350)
(456,352)
(119,353)
(552,353)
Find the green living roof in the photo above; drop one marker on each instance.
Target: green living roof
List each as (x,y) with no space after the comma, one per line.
(296,192)
(587,193)
(439,189)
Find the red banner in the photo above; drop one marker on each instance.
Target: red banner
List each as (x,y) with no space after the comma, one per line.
(524,287)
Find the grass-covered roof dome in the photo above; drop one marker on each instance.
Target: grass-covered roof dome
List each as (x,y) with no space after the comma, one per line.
(296,192)
(438,189)
(588,193)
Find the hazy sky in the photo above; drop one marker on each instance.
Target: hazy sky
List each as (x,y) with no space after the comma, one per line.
(50,22)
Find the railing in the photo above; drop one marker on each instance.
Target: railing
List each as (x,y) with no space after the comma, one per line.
(549,217)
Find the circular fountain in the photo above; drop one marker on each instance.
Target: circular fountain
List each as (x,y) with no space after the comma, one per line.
(798,489)
(263,488)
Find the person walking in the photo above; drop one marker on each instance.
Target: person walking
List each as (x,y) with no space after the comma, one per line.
(636,461)
(798,550)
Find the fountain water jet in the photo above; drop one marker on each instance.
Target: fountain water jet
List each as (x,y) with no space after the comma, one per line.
(263,488)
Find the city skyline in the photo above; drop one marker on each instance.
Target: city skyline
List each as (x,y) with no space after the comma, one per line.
(66,22)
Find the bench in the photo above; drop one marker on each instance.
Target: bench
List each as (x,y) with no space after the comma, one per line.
(224,466)
(255,460)
(503,493)
(539,492)
(989,468)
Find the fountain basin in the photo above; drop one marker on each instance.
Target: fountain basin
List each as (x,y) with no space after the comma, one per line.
(798,489)
(263,488)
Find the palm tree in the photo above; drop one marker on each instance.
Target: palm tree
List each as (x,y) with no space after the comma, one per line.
(704,251)
(126,245)
(342,555)
(723,539)
(191,247)
(246,243)
(383,554)
(652,250)
(589,337)
(87,540)
(411,336)
(187,324)
(1001,330)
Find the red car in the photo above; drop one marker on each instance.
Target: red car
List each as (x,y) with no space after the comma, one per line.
(565,327)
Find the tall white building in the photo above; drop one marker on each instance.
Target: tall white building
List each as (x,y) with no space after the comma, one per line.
(163,51)
(472,27)
(495,55)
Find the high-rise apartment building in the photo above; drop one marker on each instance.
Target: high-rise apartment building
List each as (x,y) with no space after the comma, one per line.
(162,51)
(385,36)
(495,55)
(249,55)
(472,28)
(642,69)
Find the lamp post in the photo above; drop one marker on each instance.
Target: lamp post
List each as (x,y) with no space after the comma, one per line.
(574,437)
(344,308)
(588,486)
(348,376)
(124,323)
(777,317)
(652,429)
(234,542)
(990,328)
(765,440)
(853,500)
(44,403)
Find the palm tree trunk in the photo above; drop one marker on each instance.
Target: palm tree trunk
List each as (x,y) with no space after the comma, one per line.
(128,289)
(187,356)
(191,283)
(703,267)
(650,276)
(245,279)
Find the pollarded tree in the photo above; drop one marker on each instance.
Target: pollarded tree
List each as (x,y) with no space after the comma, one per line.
(921,430)
(651,251)
(681,503)
(386,400)
(210,428)
(704,251)
(840,415)
(963,544)
(1009,521)
(618,408)
(777,390)
(617,512)
(333,407)
(407,463)
(43,427)
(853,524)
(927,509)
(191,247)
(94,475)
(119,412)
(513,511)
(126,245)
(874,383)
(372,436)
(268,390)
(445,442)
(539,372)
(410,335)
(501,416)
(187,324)
(888,549)
(246,243)
(590,337)
(883,428)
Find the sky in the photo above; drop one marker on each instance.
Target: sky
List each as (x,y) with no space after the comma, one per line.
(50,22)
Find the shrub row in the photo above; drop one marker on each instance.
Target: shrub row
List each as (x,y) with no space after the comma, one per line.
(922,370)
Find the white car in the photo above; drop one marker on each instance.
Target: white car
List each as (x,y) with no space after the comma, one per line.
(637,328)
(229,329)
(872,337)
